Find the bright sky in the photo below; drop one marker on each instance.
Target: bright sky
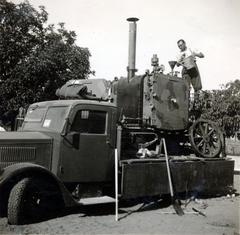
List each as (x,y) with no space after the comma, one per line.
(211,26)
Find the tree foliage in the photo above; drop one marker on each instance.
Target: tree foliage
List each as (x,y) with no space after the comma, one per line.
(222,106)
(35,58)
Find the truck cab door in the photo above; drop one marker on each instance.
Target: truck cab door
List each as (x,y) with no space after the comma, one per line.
(92,158)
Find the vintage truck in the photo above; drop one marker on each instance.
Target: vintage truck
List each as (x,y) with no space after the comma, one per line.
(65,150)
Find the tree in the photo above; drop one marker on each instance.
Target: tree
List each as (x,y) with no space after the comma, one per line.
(35,58)
(222,106)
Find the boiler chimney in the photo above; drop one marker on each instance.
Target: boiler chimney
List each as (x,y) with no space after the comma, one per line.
(132,47)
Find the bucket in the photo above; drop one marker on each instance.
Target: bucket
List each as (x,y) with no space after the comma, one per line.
(189,62)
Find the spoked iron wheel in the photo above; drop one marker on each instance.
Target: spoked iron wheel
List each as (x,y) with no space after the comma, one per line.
(205,138)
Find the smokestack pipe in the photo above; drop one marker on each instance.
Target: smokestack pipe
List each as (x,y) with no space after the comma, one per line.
(131,69)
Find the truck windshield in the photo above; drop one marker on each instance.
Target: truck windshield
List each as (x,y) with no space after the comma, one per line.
(34,118)
(55,117)
(42,118)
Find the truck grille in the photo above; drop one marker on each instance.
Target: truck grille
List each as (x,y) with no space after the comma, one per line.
(17,154)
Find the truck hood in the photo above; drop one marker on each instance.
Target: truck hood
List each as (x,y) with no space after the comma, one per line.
(20,147)
(24,137)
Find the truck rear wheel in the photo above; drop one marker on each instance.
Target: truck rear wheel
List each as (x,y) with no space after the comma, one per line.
(32,200)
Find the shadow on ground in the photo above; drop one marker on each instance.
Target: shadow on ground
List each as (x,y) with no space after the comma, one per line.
(129,207)
(126,208)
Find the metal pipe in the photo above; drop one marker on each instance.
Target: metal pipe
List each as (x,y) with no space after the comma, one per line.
(132,47)
(119,139)
(117,159)
(116,184)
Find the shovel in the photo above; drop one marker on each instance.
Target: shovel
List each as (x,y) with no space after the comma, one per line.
(175,203)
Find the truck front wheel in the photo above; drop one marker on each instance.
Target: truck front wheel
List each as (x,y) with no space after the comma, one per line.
(32,200)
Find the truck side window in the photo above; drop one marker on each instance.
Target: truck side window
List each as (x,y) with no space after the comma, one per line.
(90,121)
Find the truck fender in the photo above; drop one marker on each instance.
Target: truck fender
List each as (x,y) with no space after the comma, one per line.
(12,174)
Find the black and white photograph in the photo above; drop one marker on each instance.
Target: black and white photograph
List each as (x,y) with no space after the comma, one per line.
(119,117)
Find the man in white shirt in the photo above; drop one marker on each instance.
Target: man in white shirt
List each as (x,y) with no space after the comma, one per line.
(187,59)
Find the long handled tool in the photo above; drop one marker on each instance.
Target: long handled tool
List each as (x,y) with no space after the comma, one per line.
(175,203)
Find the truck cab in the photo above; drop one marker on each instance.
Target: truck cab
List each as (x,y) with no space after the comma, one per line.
(83,137)
(65,143)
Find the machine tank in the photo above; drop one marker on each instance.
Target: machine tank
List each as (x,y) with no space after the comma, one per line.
(165,102)
(153,99)
(130,99)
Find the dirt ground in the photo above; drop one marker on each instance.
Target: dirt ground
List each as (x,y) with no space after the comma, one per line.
(218,216)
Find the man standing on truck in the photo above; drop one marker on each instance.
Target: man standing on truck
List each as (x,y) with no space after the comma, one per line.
(190,72)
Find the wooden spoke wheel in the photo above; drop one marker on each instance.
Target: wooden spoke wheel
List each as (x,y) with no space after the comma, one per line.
(205,138)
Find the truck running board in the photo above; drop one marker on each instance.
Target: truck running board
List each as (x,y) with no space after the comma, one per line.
(96,200)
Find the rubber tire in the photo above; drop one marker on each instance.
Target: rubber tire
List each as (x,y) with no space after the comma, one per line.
(23,207)
(15,202)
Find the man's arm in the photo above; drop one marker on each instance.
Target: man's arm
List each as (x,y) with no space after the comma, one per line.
(198,54)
